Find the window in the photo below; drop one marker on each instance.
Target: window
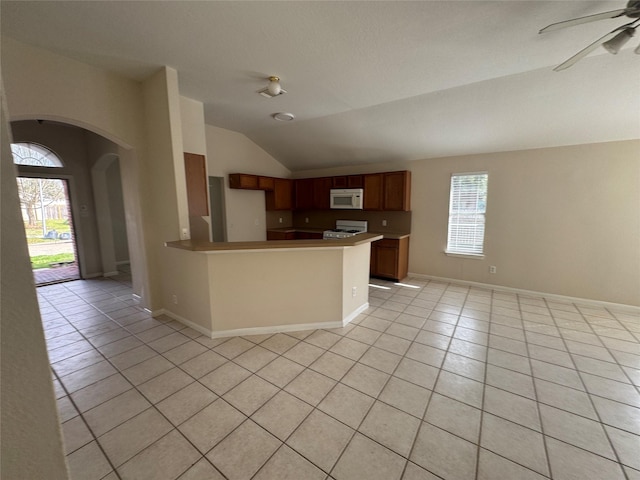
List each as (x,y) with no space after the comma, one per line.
(34,155)
(467,207)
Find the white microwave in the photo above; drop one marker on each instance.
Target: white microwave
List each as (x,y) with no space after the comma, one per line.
(347,198)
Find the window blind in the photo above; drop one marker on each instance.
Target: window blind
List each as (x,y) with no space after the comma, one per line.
(467,207)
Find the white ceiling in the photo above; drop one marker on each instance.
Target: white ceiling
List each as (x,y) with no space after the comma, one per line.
(367,81)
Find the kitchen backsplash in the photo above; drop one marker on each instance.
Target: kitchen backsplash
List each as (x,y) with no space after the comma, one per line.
(396,222)
(273,218)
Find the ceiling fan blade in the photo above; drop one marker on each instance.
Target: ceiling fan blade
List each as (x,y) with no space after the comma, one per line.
(586,51)
(581,20)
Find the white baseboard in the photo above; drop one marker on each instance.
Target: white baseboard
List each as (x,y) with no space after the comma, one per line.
(188,323)
(155,313)
(123,262)
(261,330)
(275,329)
(91,275)
(136,298)
(349,318)
(554,296)
(111,274)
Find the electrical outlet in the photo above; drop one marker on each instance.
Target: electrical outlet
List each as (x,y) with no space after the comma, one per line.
(306,219)
(384,223)
(280,220)
(256,221)
(493,269)
(174,298)
(354,291)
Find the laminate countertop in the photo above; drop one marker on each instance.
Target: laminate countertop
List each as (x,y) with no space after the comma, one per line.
(389,235)
(203,246)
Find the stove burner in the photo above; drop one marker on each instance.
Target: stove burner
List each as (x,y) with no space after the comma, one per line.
(346,228)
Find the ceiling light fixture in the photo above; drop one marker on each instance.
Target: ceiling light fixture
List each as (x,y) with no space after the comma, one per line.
(612,41)
(616,43)
(283,116)
(273,89)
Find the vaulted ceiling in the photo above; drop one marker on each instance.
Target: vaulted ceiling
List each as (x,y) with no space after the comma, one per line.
(368,81)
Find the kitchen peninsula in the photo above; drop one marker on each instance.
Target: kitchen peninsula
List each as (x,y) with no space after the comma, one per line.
(248,288)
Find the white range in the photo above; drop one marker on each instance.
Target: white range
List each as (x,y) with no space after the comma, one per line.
(345,228)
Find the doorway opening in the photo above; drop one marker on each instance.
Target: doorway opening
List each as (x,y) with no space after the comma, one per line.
(48,224)
(216,199)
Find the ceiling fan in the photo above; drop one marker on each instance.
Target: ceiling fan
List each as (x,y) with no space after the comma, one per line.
(612,41)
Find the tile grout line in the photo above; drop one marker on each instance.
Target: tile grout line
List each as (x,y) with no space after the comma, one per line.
(484,393)
(535,393)
(325,350)
(426,408)
(152,405)
(600,422)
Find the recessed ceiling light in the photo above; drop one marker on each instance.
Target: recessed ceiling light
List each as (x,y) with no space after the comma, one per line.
(283,117)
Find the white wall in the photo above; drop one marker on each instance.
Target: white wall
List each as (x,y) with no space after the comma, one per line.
(559,220)
(31,439)
(116,208)
(193,128)
(232,152)
(164,176)
(44,85)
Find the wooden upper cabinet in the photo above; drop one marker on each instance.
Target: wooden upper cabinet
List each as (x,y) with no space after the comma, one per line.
(303,193)
(347,181)
(321,192)
(266,183)
(244,181)
(397,191)
(281,197)
(355,181)
(382,191)
(312,193)
(339,182)
(388,191)
(196,176)
(373,193)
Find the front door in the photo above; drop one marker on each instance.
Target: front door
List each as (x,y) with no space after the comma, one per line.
(49,227)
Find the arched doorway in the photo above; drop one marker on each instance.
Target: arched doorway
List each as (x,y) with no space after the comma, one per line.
(90,167)
(47,214)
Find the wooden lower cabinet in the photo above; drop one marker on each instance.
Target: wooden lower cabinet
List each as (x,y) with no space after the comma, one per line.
(390,258)
(308,236)
(293,235)
(271,235)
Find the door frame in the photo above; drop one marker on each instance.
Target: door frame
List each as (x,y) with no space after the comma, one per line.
(75,211)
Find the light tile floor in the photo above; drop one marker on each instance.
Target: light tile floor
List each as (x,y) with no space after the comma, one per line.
(435,380)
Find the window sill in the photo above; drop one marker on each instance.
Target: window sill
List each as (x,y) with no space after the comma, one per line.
(471,256)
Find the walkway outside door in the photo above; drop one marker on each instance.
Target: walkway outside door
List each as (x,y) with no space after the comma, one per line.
(48,224)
